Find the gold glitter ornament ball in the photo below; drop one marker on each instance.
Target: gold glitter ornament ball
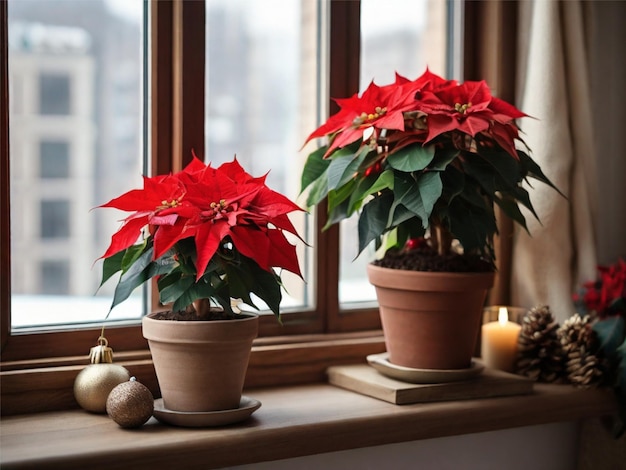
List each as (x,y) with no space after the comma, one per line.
(94,383)
(130,404)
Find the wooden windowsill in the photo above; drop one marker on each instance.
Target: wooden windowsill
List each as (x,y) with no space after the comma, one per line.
(292,421)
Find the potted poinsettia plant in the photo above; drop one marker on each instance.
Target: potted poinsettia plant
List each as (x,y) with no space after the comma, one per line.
(423,163)
(212,237)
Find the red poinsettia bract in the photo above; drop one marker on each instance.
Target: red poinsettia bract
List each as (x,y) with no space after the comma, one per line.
(606,296)
(449,107)
(210,204)
(378,107)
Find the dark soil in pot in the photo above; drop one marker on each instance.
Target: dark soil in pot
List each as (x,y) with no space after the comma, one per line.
(192,316)
(426,259)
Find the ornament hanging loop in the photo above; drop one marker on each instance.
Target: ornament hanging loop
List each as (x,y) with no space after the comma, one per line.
(101,353)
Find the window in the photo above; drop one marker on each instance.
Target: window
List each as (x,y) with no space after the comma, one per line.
(72,147)
(266,80)
(54,159)
(54,94)
(254,101)
(55,219)
(404,37)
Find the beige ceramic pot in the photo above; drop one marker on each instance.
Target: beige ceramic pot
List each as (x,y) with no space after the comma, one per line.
(201,365)
(430,320)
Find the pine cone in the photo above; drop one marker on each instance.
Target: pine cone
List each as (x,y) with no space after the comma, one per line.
(579,342)
(539,354)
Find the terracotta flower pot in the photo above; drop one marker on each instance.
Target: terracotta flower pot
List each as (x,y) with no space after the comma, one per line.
(201,365)
(430,320)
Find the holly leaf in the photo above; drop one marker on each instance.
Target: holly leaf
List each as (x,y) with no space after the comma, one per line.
(611,332)
(620,389)
(620,354)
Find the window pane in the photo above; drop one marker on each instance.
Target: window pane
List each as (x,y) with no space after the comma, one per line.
(54,93)
(260,97)
(401,36)
(55,219)
(54,159)
(75,88)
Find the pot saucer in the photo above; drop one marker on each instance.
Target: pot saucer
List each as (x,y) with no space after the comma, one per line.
(381,363)
(197,419)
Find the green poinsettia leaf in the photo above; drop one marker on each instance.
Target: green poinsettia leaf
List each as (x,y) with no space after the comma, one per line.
(201,290)
(111,266)
(314,167)
(470,224)
(341,194)
(338,213)
(318,190)
(373,219)
(418,195)
(368,186)
(453,182)
(248,277)
(133,253)
(483,173)
(345,164)
(511,209)
(136,275)
(407,194)
(533,170)
(430,187)
(411,158)
(471,196)
(172,288)
(611,332)
(340,165)
(507,170)
(523,197)
(408,228)
(167,279)
(238,281)
(443,158)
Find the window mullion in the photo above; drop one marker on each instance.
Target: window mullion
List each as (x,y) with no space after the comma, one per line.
(5,252)
(344,73)
(177,83)
(188,87)
(161,92)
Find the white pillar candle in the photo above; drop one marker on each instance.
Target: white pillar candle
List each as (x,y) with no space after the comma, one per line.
(499,342)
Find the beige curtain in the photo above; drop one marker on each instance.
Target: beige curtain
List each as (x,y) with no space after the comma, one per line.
(554,88)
